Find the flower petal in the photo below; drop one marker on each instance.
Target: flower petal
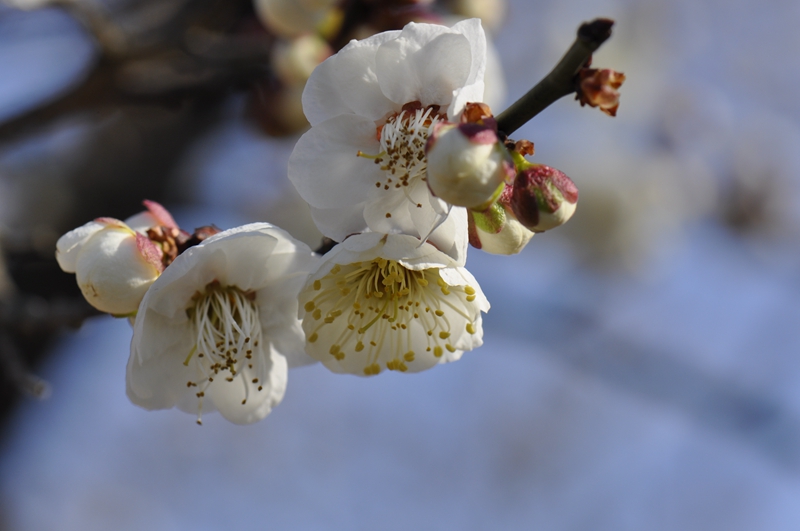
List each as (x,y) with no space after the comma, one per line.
(240,401)
(324,98)
(339,223)
(473,30)
(69,244)
(325,167)
(451,236)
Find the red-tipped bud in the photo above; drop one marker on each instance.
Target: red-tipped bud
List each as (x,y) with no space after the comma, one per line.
(543,198)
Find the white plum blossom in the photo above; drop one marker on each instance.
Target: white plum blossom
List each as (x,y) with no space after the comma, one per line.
(372,107)
(383,301)
(219,328)
(113,261)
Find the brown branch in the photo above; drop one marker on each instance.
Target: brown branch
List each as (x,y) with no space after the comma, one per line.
(560,81)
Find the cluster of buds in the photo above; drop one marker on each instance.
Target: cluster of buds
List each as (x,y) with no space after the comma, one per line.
(509,198)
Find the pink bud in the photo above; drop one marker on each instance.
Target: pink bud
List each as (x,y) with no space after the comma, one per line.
(543,198)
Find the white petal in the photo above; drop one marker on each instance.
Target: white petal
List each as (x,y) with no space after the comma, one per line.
(462,96)
(323,98)
(155,373)
(451,236)
(228,396)
(339,223)
(473,31)
(325,167)
(398,74)
(443,66)
(356,80)
(432,212)
(142,221)
(387,212)
(69,244)
(320,100)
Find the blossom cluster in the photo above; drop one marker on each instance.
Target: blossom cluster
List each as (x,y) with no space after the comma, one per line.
(404,166)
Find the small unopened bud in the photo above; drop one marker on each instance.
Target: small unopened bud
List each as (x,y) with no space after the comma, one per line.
(467,164)
(290,18)
(542,197)
(294,60)
(114,261)
(114,265)
(598,88)
(491,12)
(496,231)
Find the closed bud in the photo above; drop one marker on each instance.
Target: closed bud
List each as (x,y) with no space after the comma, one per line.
(496,230)
(542,197)
(115,262)
(467,164)
(290,18)
(294,60)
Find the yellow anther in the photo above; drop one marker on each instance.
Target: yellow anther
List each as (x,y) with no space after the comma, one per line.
(444,335)
(317,285)
(450,347)
(317,314)
(437,351)
(359,346)
(409,356)
(470,328)
(309,306)
(439,313)
(469,290)
(313,337)
(470,298)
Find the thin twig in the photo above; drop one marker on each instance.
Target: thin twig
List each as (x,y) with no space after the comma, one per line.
(560,81)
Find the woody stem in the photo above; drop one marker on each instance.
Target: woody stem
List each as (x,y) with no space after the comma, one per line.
(560,81)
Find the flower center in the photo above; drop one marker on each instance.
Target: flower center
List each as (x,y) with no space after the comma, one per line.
(380,313)
(402,139)
(227,335)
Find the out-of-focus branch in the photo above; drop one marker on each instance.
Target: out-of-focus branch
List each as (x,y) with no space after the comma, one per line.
(560,81)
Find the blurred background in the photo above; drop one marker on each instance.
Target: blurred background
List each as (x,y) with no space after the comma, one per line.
(641,365)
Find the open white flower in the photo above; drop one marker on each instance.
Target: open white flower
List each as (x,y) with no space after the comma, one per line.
(113,261)
(372,106)
(216,330)
(383,301)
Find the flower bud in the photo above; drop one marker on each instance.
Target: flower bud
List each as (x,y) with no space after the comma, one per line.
(114,261)
(295,60)
(290,18)
(114,265)
(542,197)
(467,164)
(496,231)
(598,88)
(491,12)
